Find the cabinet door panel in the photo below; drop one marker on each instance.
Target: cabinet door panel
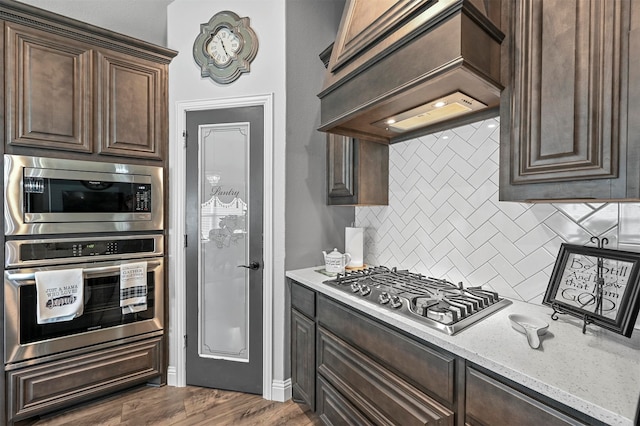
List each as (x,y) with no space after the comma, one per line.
(340,162)
(566,95)
(566,90)
(131,106)
(49,91)
(303,359)
(357,171)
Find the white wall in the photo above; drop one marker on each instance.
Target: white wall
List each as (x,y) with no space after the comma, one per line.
(267,76)
(142,19)
(312,225)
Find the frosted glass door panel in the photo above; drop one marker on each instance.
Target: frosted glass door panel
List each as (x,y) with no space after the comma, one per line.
(224,241)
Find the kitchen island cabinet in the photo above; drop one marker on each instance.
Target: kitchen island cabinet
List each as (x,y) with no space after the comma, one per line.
(485,374)
(570,106)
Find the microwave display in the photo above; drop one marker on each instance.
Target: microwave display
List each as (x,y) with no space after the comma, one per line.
(44,195)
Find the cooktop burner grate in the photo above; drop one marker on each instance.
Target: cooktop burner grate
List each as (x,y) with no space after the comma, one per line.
(439,303)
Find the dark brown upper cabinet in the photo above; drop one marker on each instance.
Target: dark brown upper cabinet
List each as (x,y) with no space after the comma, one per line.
(357,171)
(569,115)
(49,90)
(74,87)
(131,105)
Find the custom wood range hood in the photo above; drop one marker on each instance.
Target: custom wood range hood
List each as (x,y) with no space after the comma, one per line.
(401,69)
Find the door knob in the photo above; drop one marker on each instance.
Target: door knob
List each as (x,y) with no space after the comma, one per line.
(252,265)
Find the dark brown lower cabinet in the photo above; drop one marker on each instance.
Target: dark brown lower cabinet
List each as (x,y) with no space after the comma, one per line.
(356,370)
(303,347)
(334,409)
(492,402)
(45,387)
(376,392)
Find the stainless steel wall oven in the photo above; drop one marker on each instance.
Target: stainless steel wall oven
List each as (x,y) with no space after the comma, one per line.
(103,320)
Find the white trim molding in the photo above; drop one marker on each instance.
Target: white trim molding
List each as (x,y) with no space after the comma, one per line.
(282,390)
(176,374)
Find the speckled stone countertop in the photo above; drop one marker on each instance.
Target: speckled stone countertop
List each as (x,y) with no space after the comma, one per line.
(597,373)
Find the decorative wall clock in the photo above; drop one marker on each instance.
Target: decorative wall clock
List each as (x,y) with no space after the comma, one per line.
(225,47)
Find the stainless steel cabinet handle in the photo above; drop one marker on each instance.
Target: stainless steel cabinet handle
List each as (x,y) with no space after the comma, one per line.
(252,266)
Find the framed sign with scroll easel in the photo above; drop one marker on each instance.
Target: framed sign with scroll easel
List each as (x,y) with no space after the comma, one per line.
(596,284)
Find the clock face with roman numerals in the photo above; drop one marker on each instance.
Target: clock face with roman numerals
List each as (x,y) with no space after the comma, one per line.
(225,47)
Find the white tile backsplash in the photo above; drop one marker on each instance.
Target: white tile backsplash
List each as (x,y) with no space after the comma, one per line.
(444,218)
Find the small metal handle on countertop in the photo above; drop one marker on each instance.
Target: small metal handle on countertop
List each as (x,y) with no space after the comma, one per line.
(12,276)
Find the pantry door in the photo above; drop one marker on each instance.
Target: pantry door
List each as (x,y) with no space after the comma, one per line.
(224,253)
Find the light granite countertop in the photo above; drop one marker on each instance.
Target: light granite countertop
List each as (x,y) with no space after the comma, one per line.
(597,373)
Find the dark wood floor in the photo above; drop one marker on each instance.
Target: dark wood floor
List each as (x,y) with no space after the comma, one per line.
(191,405)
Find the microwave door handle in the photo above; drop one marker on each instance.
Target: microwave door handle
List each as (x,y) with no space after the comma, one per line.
(17,276)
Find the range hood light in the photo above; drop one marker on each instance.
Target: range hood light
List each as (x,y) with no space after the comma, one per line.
(436,110)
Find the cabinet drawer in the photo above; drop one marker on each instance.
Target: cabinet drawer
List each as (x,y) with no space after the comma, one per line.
(429,370)
(333,409)
(379,394)
(303,299)
(46,387)
(490,402)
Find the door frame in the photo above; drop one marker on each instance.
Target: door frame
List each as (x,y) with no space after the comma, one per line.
(178,324)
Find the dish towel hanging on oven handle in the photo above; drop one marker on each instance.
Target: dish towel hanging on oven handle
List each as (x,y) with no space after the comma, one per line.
(59,295)
(133,287)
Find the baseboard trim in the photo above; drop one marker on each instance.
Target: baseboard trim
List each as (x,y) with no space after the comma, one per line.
(172,376)
(281,390)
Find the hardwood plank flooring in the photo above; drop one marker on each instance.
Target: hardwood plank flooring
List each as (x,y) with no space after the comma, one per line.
(188,406)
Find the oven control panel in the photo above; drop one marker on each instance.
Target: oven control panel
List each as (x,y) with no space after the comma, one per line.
(51,251)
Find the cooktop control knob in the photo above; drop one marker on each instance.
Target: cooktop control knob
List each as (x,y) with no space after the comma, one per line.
(365,290)
(396,302)
(384,298)
(355,287)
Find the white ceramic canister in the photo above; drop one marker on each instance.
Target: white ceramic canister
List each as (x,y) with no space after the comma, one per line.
(354,245)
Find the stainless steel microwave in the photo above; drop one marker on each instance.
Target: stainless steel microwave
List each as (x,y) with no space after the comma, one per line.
(58,196)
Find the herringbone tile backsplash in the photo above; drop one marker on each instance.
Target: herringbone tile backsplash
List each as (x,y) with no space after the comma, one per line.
(444,218)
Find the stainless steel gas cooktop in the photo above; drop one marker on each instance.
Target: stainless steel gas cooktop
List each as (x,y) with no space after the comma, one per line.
(438,303)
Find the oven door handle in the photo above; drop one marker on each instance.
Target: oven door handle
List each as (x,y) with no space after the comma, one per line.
(17,276)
